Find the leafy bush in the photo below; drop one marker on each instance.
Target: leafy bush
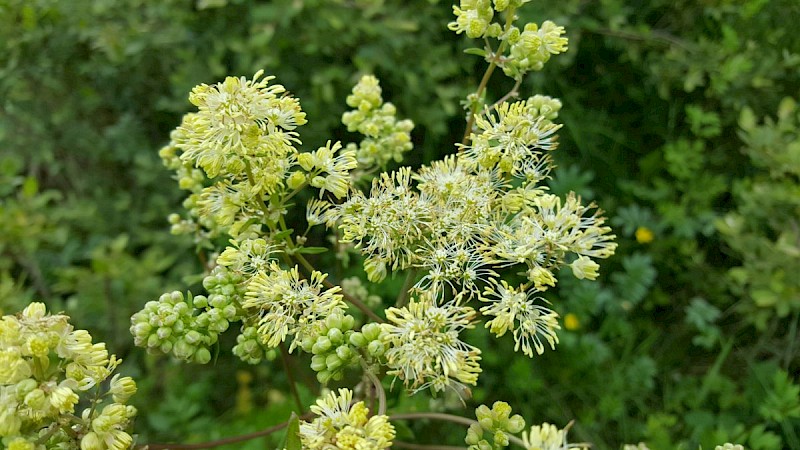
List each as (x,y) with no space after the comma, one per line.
(674,121)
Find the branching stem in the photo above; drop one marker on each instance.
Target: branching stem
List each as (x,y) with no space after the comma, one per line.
(402,297)
(219,442)
(496,56)
(379,390)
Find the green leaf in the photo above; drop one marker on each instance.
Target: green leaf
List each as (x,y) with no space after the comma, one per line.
(30,187)
(292,439)
(476,51)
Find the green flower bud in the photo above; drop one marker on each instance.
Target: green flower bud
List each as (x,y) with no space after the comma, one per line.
(306,161)
(376,348)
(474,434)
(371,331)
(344,353)
(183,350)
(322,345)
(202,356)
(318,363)
(333,362)
(193,337)
(25,386)
(164,332)
(516,424)
(165,347)
(358,340)
(91,441)
(323,376)
(36,399)
(500,438)
(335,335)
(296,179)
(200,302)
(348,322)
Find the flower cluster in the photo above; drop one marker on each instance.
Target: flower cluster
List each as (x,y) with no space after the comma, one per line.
(548,437)
(470,215)
(237,157)
(425,349)
(520,51)
(458,225)
(386,139)
(512,137)
(342,424)
(496,428)
(327,170)
(386,225)
(46,369)
(234,155)
(496,424)
(531,48)
(330,345)
(514,309)
(288,305)
(250,348)
(474,17)
(187,326)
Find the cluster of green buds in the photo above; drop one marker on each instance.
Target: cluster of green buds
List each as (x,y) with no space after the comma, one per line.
(495,425)
(249,347)
(544,107)
(370,340)
(331,347)
(532,47)
(46,370)
(520,51)
(386,138)
(187,326)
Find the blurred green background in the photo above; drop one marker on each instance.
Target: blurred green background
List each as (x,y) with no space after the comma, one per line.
(679,120)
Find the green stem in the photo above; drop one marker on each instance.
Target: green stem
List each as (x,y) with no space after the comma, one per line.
(402,297)
(52,431)
(486,76)
(713,372)
(379,390)
(294,192)
(219,442)
(290,376)
(448,418)
(513,93)
(310,269)
(349,298)
(357,303)
(788,355)
(250,178)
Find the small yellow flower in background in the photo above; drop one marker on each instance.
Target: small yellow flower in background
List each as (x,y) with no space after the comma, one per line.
(571,322)
(644,235)
(244,395)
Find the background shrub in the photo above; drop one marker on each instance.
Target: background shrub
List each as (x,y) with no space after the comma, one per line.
(677,114)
